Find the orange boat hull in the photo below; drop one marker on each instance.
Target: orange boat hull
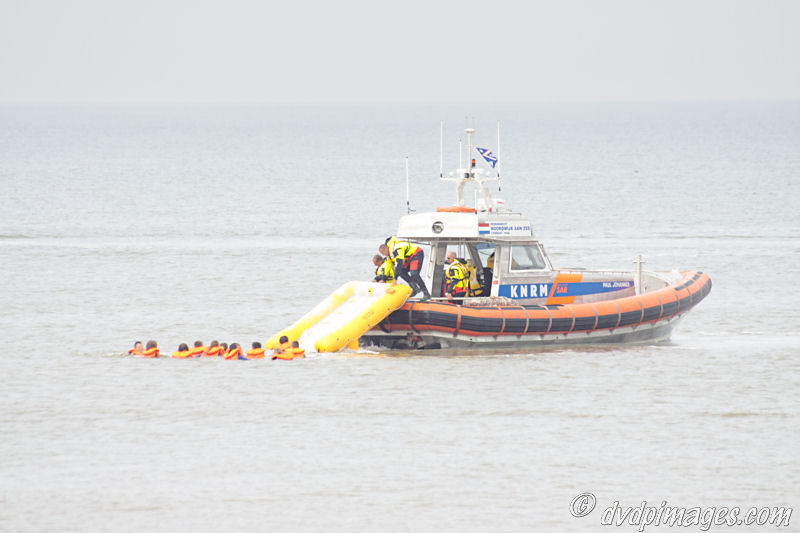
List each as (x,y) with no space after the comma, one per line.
(644,317)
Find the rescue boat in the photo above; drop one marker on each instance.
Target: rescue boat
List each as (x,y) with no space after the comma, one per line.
(517,298)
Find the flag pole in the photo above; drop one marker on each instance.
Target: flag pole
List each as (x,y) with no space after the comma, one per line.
(499,188)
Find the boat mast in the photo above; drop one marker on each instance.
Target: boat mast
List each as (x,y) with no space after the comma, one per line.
(469,173)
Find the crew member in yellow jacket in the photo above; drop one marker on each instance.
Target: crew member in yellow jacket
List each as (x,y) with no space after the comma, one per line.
(406,260)
(384,273)
(456,277)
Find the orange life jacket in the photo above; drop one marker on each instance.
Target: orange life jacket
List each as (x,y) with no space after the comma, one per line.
(232,354)
(135,351)
(213,351)
(289,354)
(197,351)
(283,347)
(183,355)
(255,353)
(151,353)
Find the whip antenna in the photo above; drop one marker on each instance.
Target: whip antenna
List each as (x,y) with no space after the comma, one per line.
(441,149)
(499,188)
(408,191)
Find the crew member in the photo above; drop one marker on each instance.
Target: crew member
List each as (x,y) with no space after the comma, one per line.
(138,349)
(257,352)
(151,350)
(456,277)
(406,260)
(384,273)
(488,275)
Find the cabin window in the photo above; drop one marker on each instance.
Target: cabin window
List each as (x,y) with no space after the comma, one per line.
(526,258)
(486,254)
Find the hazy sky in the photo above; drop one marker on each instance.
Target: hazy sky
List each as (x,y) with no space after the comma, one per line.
(239,51)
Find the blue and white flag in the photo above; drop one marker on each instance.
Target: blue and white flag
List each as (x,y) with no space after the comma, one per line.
(487,155)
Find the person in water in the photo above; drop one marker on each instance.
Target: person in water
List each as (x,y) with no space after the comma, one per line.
(384,273)
(151,349)
(138,349)
(223,349)
(406,261)
(257,352)
(293,352)
(235,352)
(296,350)
(183,352)
(283,344)
(199,350)
(214,350)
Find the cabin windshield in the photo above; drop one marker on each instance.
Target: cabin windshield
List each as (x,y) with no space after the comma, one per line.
(526,257)
(486,254)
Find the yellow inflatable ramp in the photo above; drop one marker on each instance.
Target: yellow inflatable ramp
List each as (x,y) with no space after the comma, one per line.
(341,318)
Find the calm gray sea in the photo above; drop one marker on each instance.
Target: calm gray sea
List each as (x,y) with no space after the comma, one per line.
(185,223)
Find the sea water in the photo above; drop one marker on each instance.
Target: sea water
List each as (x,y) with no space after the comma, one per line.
(197,223)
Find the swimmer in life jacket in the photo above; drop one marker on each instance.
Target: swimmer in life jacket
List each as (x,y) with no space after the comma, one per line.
(138,349)
(214,350)
(257,352)
(234,353)
(293,352)
(223,349)
(283,345)
(199,350)
(151,350)
(183,352)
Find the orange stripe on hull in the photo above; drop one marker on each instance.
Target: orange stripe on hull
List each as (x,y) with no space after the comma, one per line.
(553,298)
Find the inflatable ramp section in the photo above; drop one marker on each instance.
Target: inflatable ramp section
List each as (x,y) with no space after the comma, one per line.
(340,319)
